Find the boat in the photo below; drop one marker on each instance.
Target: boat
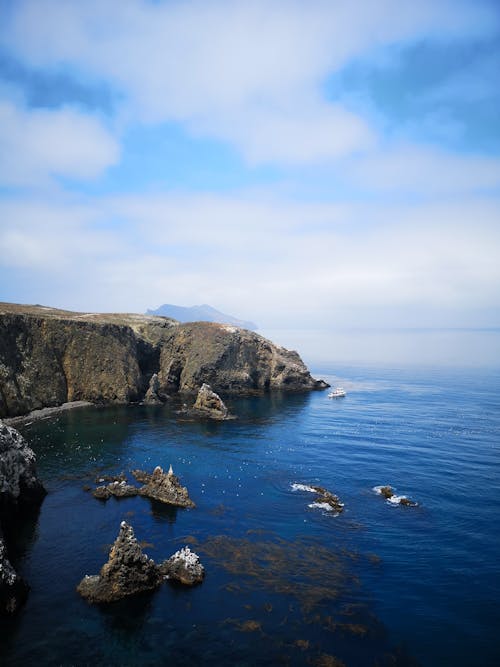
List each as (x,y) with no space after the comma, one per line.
(338,392)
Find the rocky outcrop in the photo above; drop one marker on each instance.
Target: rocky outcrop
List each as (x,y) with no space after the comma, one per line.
(209,404)
(164,487)
(128,571)
(325,499)
(230,360)
(158,485)
(20,491)
(49,357)
(184,567)
(389,494)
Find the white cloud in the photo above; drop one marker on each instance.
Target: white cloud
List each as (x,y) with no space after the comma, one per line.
(276,261)
(39,144)
(250,73)
(415,169)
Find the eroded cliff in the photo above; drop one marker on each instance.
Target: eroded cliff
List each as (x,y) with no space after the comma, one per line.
(50,356)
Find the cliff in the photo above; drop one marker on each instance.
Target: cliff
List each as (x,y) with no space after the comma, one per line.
(20,491)
(49,357)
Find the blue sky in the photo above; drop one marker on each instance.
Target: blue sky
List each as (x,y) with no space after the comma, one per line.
(320,162)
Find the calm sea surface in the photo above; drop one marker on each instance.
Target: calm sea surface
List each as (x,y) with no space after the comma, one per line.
(286,583)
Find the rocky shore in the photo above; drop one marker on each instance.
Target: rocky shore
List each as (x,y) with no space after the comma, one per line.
(20,492)
(49,357)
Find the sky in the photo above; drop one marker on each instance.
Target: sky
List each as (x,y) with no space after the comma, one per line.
(308,164)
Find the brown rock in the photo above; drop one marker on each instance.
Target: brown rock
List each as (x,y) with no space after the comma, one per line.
(128,571)
(210,404)
(185,567)
(164,487)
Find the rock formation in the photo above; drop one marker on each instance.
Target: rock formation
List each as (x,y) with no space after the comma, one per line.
(159,485)
(20,491)
(185,567)
(164,487)
(324,499)
(388,493)
(49,357)
(128,571)
(210,404)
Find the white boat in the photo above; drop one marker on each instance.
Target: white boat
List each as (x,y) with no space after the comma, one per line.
(338,392)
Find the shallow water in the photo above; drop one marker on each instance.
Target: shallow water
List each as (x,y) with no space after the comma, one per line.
(286,583)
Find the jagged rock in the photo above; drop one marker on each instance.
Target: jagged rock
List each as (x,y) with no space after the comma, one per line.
(210,404)
(49,357)
(128,571)
(152,396)
(117,489)
(165,487)
(20,491)
(184,566)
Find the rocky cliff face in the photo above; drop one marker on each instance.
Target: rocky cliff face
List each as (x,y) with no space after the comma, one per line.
(20,490)
(49,356)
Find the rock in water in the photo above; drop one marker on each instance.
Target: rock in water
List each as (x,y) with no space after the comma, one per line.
(163,486)
(116,489)
(128,571)
(210,404)
(184,566)
(20,490)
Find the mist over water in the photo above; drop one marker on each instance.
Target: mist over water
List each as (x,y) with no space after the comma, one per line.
(393,347)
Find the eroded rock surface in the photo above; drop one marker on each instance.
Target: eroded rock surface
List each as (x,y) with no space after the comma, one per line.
(185,567)
(128,571)
(164,487)
(49,357)
(210,404)
(20,491)
(324,499)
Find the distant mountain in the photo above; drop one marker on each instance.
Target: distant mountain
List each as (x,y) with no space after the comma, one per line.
(204,313)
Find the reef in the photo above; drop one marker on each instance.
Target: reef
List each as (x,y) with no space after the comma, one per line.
(20,492)
(164,487)
(389,494)
(324,499)
(49,357)
(129,570)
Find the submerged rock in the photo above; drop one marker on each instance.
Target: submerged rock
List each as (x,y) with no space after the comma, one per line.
(164,487)
(128,571)
(210,404)
(20,491)
(184,566)
(388,493)
(324,500)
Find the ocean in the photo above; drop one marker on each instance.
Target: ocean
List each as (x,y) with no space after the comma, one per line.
(286,583)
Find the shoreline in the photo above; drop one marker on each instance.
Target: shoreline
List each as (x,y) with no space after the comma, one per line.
(46,413)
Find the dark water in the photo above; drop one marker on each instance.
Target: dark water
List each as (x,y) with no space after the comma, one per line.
(286,584)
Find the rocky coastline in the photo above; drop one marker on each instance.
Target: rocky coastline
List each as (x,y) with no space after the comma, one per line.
(21,492)
(51,357)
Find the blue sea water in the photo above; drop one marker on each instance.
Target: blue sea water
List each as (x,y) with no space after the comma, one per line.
(286,583)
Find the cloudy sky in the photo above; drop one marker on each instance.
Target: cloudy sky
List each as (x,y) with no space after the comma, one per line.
(319,161)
